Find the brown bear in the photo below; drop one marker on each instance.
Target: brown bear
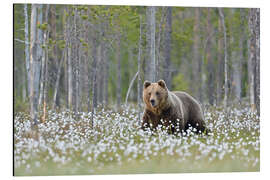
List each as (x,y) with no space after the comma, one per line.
(176,110)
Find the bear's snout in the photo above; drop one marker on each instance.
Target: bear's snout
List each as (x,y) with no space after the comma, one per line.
(152,101)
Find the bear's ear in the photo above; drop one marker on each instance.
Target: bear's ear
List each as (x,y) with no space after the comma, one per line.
(162,83)
(146,84)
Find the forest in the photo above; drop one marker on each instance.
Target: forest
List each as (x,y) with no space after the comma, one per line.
(78,78)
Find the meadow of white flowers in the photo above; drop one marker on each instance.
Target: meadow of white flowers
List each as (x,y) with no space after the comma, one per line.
(67,144)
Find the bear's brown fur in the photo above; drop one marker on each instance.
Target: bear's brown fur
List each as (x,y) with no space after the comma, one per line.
(175,111)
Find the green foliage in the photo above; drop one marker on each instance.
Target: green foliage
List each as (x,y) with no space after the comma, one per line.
(61,44)
(44,26)
(179,83)
(84,17)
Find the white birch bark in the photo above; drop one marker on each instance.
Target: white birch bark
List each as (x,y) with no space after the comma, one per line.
(70,77)
(130,86)
(158,47)
(33,64)
(27,57)
(236,64)
(251,58)
(139,72)
(42,77)
(167,53)
(152,68)
(58,78)
(257,70)
(196,56)
(119,78)
(94,79)
(221,15)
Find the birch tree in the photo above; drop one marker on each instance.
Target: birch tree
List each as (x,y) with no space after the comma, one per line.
(70,76)
(77,61)
(26,42)
(58,78)
(106,75)
(254,58)
(158,47)
(251,57)
(236,57)
(118,58)
(34,66)
(94,77)
(220,67)
(152,67)
(210,68)
(257,70)
(167,47)
(139,71)
(196,56)
(221,16)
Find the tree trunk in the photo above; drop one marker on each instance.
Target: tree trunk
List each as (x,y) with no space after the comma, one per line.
(27,58)
(196,53)
(236,63)
(40,50)
(152,68)
(42,81)
(236,76)
(139,72)
(94,77)
(58,78)
(34,67)
(221,15)
(24,83)
(69,58)
(220,74)
(167,53)
(210,68)
(200,60)
(251,58)
(254,58)
(45,89)
(146,60)
(76,61)
(101,71)
(89,84)
(158,48)
(88,63)
(119,78)
(106,76)
(257,70)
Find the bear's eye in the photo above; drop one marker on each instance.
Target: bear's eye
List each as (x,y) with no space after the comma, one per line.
(157,93)
(149,94)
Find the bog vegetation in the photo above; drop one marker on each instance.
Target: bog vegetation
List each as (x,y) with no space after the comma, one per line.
(66,144)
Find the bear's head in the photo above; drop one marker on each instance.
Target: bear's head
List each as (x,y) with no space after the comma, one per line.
(155,95)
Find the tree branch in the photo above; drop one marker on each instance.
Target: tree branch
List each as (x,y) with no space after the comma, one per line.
(130,85)
(21,41)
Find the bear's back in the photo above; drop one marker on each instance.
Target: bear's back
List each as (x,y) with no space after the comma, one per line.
(191,105)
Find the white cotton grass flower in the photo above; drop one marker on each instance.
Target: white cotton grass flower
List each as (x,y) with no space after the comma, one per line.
(117,139)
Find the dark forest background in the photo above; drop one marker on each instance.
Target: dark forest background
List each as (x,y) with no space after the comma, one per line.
(81,57)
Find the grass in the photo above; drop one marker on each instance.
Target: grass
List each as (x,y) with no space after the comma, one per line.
(67,145)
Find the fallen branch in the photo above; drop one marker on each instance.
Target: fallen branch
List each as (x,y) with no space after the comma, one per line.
(130,85)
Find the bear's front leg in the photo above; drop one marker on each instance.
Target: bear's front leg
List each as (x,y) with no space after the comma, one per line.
(174,124)
(145,121)
(150,120)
